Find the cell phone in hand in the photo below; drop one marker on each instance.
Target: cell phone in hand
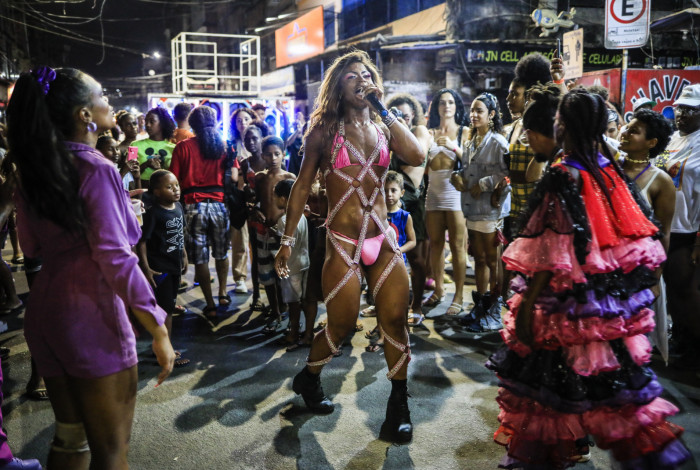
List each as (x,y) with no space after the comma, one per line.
(558,48)
(133,154)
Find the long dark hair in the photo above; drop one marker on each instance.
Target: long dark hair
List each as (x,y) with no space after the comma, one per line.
(434,116)
(203,122)
(167,124)
(37,127)
(235,135)
(585,117)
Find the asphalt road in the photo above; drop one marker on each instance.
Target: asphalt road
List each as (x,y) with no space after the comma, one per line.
(233,408)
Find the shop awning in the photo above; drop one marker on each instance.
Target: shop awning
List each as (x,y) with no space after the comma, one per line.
(686,20)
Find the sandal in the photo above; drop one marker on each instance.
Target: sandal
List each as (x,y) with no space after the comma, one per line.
(272,325)
(415,319)
(179,310)
(433,300)
(209,312)
(369,312)
(19,259)
(373,333)
(38,394)
(374,347)
(257,306)
(454,309)
(180,361)
(359,326)
(224,300)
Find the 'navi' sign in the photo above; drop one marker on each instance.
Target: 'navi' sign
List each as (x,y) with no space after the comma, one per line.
(626,23)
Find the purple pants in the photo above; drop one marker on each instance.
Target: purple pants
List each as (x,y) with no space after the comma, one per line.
(5,452)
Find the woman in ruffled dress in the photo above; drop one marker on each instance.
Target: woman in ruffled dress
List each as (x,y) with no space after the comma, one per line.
(576,355)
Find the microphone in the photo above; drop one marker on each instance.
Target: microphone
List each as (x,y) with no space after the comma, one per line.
(378,105)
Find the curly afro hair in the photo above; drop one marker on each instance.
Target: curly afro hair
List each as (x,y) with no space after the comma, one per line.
(531,70)
(657,127)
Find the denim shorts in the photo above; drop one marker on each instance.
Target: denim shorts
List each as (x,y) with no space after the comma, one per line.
(207,227)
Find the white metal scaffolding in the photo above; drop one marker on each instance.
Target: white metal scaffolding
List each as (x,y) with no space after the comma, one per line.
(215,64)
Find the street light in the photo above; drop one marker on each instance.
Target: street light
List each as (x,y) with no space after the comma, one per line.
(156,54)
(151,72)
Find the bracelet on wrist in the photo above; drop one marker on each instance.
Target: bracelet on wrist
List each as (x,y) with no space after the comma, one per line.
(389,119)
(559,82)
(286,240)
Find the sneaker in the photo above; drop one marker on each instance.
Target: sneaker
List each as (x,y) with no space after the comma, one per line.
(241,288)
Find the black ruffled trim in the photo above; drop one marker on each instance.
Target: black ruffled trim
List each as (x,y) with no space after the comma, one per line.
(544,376)
(615,284)
(560,183)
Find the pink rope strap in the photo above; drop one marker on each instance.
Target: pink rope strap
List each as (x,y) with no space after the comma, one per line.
(334,350)
(404,348)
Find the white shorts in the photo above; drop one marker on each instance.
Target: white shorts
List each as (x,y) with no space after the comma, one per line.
(294,286)
(485,226)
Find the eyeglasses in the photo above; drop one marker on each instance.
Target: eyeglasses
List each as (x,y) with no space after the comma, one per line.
(687,110)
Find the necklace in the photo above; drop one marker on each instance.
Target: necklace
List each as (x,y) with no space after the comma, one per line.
(646,160)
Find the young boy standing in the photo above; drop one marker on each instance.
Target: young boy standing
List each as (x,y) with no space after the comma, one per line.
(161,249)
(268,242)
(293,287)
(401,225)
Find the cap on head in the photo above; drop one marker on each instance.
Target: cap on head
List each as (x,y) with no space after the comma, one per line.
(690,96)
(641,102)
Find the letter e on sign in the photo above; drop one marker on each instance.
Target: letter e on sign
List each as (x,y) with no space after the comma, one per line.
(626,23)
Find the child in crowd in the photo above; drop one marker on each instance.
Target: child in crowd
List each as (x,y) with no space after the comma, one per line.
(293,287)
(161,249)
(401,226)
(180,113)
(128,170)
(156,151)
(268,214)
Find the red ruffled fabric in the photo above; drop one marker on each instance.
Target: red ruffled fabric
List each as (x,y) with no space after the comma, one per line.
(554,252)
(529,429)
(628,220)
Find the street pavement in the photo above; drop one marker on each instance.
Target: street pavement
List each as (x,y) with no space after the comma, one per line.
(233,407)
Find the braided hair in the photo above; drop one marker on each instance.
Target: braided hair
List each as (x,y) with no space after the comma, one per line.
(585,117)
(541,109)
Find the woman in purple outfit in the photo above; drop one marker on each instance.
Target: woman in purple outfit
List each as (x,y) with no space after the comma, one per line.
(75,215)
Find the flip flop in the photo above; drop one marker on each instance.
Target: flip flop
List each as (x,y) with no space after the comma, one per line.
(415,319)
(371,334)
(369,312)
(272,326)
(18,260)
(454,309)
(433,300)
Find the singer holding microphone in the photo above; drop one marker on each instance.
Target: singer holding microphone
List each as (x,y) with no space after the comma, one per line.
(349,137)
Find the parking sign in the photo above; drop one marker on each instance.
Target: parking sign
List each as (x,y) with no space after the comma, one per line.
(626,23)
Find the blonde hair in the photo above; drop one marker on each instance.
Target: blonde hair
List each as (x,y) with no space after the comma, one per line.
(328,106)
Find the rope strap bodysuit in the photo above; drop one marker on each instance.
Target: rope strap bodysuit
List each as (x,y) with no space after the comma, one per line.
(367,249)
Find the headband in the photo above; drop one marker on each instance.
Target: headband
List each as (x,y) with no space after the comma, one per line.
(44,76)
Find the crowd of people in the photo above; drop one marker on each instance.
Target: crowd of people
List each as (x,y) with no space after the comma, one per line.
(567,214)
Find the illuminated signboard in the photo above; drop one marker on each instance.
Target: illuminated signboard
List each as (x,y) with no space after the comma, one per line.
(300,39)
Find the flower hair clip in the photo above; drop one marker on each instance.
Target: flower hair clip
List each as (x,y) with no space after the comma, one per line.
(44,76)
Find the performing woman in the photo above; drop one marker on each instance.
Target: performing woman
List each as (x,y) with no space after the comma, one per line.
(576,357)
(348,144)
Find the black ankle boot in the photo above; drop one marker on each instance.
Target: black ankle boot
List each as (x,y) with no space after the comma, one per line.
(397,426)
(476,312)
(308,385)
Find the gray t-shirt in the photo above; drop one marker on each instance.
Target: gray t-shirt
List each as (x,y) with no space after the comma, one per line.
(299,260)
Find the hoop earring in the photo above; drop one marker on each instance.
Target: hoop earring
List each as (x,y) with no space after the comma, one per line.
(92,127)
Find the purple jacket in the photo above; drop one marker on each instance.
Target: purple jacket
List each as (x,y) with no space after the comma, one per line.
(79,297)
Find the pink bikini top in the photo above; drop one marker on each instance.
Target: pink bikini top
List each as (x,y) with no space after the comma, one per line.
(342,146)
